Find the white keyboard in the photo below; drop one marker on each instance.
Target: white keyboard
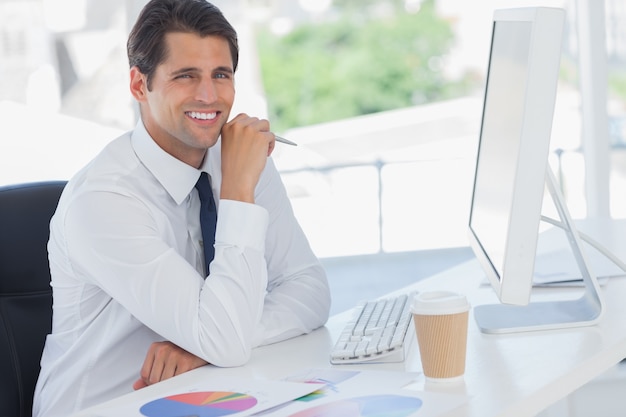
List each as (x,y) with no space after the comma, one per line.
(379,331)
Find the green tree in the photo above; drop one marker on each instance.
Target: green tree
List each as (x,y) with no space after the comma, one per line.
(355,65)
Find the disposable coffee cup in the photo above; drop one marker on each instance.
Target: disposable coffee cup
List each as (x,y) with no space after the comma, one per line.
(440,319)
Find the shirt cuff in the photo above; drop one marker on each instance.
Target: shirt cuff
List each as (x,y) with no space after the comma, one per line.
(241,224)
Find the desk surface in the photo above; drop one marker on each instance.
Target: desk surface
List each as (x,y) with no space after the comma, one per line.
(510,375)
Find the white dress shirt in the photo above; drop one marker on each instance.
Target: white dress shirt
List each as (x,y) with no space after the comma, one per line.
(128,270)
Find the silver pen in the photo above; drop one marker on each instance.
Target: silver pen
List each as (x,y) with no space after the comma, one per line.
(283,140)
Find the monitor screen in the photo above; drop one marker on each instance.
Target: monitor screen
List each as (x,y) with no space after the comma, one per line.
(500,138)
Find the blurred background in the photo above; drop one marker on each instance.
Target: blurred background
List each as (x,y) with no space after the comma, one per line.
(384,98)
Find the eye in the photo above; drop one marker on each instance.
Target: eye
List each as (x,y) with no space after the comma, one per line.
(222,73)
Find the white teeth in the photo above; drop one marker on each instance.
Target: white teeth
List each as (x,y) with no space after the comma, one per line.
(202,116)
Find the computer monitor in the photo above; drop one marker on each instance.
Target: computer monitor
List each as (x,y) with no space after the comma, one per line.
(512,173)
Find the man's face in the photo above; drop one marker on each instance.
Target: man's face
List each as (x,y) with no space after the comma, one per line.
(191,95)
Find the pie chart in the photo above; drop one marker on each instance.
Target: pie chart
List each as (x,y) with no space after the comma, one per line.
(199,404)
(367,406)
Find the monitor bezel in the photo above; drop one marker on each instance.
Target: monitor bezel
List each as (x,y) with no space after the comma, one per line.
(515,284)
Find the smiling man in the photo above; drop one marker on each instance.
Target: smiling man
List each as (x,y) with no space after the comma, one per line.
(140,293)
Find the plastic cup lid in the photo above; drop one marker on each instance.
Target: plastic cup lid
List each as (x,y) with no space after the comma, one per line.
(439,303)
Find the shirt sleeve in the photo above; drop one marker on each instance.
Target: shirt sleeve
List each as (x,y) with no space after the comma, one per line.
(298,296)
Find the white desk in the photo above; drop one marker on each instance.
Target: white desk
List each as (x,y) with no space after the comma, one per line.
(510,375)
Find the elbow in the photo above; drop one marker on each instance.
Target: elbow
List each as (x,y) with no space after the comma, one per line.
(317,309)
(318,298)
(228,355)
(316,305)
(324,302)
(232,361)
(327,304)
(320,313)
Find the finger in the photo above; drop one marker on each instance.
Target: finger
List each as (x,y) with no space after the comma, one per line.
(262,125)
(187,362)
(155,362)
(139,384)
(271,145)
(241,120)
(242,123)
(146,368)
(170,365)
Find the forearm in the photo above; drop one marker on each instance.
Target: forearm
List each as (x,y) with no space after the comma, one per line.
(231,306)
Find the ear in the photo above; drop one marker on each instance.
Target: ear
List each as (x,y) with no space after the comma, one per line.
(138,84)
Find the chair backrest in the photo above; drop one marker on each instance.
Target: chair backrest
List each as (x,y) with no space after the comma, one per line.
(25,292)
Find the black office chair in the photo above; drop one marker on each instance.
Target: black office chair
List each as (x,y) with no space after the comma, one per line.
(25,292)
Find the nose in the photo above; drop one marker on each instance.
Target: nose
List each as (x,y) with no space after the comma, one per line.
(206,91)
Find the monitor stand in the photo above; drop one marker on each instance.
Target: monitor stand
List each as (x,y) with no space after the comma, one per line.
(557,314)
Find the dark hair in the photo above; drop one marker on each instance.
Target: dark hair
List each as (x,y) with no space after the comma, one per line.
(146,43)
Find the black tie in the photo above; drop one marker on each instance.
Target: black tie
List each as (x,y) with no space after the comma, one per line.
(208,217)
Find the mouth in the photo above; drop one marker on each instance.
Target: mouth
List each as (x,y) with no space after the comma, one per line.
(202,115)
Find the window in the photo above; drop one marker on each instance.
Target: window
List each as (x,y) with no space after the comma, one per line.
(386,153)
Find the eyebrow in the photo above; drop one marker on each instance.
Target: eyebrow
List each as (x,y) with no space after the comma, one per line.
(187,70)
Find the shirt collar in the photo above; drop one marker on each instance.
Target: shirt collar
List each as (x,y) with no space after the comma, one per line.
(175,176)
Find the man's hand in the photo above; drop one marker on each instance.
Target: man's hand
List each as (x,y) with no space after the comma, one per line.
(165,360)
(246,144)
